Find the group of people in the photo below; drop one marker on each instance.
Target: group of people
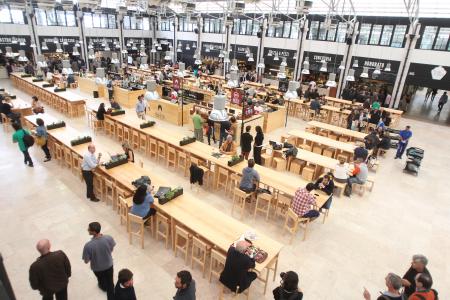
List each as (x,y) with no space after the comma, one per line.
(51,271)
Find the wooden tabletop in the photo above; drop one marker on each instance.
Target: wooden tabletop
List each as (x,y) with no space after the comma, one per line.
(346,147)
(343,101)
(352,133)
(20,104)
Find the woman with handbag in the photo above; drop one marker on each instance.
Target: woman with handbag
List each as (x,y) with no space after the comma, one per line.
(42,138)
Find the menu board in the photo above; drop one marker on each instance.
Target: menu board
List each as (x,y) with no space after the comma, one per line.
(236,96)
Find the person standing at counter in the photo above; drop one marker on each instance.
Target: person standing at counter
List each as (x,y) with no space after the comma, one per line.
(109,85)
(211,130)
(257,145)
(198,125)
(246,142)
(88,165)
(141,107)
(224,129)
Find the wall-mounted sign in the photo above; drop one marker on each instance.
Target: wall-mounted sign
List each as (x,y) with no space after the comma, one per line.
(270,53)
(240,53)
(98,41)
(165,43)
(236,96)
(420,75)
(213,49)
(177,82)
(283,85)
(137,42)
(7,41)
(316,58)
(372,63)
(51,45)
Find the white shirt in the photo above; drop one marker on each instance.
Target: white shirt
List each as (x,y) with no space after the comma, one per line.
(90,162)
(341,171)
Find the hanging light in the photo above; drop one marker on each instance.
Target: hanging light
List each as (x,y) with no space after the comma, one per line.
(283,62)
(377,70)
(91,54)
(179,50)
(438,73)
(114,58)
(324,68)
(65,43)
(153,49)
(365,73)
(269,53)
(341,66)
(14,40)
(261,64)
(276,58)
(250,57)
(142,43)
(282,73)
(33,45)
(331,80)
(117,46)
(207,49)
(134,48)
(221,55)
(188,47)
(107,47)
(226,58)
(56,41)
(355,63)
(194,45)
(22,43)
(247,52)
(142,53)
(77,44)
(305,69)
(58,48)
(230,49)
(388,67)
(124,51)
(75,51)
(234,66)
(159,48)
(22,56)
(90,46)
(44,46)
(350,75)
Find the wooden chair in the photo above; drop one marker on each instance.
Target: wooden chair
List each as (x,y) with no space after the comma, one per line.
(123,211)
(199,253)
(126,134)
(235,180)
(293,222)
(279,163)
(239,199)
(235,294)
(119,132)
(108,191)
(143,143)
(161,151)
(222,179)
(263,203)
(329,152)
(216,264)
(171,157)
(68,158)
(283,202)
(317,149)
(152,148)
(182,162)
(296,166)
(135,139)
(344,138)
(308,173)
(182,241)
(162,228)
(140,222)
(76,165)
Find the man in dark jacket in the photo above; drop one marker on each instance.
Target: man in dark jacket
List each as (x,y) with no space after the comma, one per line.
(236,272)
(185,286)
(246,142)
(50,272)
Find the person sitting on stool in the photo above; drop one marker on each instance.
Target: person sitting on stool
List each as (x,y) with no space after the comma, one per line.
(250,178)
(303,201)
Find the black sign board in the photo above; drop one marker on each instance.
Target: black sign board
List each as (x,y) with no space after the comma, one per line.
(6,41)
(420,75)
(51,45)
(372,63)
(165,43)
(315,61)
(288,54)
(283,85)
(186,55)
(138,41)
(193,96)
(98,41)
(240,53)
(213,49)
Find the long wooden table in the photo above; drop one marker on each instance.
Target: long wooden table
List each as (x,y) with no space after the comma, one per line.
(66,102)
(352,134)
(216,227)
(22,107)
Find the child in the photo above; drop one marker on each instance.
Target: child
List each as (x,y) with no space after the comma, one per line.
(124,289)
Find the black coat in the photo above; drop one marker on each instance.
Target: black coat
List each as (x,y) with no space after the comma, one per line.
(246,142)
(236,272)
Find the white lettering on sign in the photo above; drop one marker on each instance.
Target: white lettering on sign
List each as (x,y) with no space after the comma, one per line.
(213,47)
(279,52)
(374,64)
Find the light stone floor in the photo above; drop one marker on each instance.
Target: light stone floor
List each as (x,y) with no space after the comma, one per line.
(362,240)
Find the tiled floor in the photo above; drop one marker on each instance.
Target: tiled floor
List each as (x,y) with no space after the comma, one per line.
(361,241)
(428,111)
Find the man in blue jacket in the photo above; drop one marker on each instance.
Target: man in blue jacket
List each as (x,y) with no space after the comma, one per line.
(405,135)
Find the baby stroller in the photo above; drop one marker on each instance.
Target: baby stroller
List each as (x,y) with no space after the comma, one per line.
(415,156)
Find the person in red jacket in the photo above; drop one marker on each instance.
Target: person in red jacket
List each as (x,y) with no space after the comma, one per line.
(423,288)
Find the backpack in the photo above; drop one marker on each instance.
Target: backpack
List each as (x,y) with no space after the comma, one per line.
(28,140)
(293,296)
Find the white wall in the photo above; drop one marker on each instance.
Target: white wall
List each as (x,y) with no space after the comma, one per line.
(430,57)
(14,29)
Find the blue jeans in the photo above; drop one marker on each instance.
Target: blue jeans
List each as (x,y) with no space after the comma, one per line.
(350,181)
(311,214)
(401,149)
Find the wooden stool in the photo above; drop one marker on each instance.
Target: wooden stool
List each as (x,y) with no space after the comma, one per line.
(6,122)
(135,139)
(343,138)
(308,173)
(279,163)
(164,233)
(345,156)
(323,133)
(182,162)
(126,134)
(263,201)
(332,136)
(152,148)
(306,147)
(123,212)
(68,157)
(118,192)
(143,142)
(119,132)
(161,151)
(108,191)
(235,294)
(370,181)
(235,180)
(98,125)
(199,253)
(239,199)
(171,157)
(296,166)
(109,127)
(266,159)
(182,241)
(293,222)
(317,149)
(222,179)
(216,264)
(360,188)
(140,222)
(329,152)
(59,152)
(76,165)
(283,202)
(98,185)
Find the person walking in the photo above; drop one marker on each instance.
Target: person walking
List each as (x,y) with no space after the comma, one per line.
(141,107)
(442,101)
(18,137)
(198,125)
(97,252)
(88,164)
(42,138)
(185,286)
(257,145)
(50,273)
(428,93)
(405,135)
(433,94)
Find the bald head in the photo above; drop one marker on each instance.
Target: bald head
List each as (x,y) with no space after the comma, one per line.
(43,246)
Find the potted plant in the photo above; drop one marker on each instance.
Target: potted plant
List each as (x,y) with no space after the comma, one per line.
(25,75)
(117,112)
(235,159)
(116,160)
(38,79)
(56,90)
(187,140)
(170,195)
(80,140)
(147,124)
(47,85)
(59,124)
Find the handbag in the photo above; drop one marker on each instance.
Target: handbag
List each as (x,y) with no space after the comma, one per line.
(40,140)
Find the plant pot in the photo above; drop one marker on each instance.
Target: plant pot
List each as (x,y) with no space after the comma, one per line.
(164,200)
(12,96)
(86,139)
(37,80)
(187,141)
(56,125)
(235,162)
(117,112)
(47,85)
(25,75)
(56,90)
(113,164)
(147,124)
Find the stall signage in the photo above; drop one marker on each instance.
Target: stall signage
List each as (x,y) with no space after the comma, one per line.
(248,111)
(6,41)
(50,42)
(270,53)
(214,49)
(138,41)
(373,63)
(176,83)
(236,96)
(241,53)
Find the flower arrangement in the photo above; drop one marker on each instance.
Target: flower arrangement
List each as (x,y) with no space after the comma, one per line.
(80,140)
(59,124)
